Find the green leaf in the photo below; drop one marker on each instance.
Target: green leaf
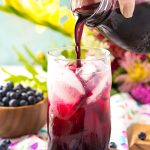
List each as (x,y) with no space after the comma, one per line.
(72,55)
(5,9)
(69,54)
(29,52)
(43,63)
(26,63)
(17,79)
(5,71)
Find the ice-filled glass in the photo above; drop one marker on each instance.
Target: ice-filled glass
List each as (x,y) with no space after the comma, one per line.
(79,112)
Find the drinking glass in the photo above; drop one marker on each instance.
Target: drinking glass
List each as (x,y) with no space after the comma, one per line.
(79,111)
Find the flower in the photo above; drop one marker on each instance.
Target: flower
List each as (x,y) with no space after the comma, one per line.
(40,55)
(137,71)
(141,93)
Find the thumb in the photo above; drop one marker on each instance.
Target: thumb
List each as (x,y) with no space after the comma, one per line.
(127,7)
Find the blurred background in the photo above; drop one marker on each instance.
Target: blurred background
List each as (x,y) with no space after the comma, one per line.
(15,33)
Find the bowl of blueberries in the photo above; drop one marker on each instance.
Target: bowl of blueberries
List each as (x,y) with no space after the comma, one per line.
(23,110)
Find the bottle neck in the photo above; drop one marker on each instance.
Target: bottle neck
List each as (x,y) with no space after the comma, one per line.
(101,13)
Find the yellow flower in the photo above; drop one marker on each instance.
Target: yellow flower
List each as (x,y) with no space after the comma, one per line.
(48,13)
(40,55)
(138,72)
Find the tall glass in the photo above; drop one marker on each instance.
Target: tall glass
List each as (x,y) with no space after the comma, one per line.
(79,112)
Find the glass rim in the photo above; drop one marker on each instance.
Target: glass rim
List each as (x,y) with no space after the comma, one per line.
(104,55)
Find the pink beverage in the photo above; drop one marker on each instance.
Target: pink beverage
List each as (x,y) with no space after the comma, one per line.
(79,112)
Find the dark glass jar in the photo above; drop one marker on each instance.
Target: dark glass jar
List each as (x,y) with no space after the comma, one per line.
(130,34)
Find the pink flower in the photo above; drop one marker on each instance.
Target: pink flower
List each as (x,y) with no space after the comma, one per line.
(137,71)
(141,93)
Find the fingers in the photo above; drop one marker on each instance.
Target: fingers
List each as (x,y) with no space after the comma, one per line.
(127,7)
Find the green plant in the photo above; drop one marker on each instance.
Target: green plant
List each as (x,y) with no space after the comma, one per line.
(34,79)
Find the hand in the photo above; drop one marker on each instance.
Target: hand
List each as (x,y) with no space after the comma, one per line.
(127,7)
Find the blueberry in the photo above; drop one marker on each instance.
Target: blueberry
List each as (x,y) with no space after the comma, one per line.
(3,146)
(8,94)
(1,87)
(1,104)
(13,103)
(142,136)
(5,100)
(38,99)
(31,99)
(1,96)
(18,87)
(34,91)
(18,95)
(18,91)
(113,145)
(24,96)
(3,92)
(23,103)
(28,89)
(39,94)
(10,85)
(6,89)
(30,93)
(12,95)
(7,141)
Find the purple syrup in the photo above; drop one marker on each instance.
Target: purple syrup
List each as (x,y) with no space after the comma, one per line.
(79,29)
(78,34)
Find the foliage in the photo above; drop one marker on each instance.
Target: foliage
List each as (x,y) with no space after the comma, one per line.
(34,79)
(48,13)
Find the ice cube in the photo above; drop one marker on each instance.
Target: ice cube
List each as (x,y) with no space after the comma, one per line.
(104,79)
(65,89)
(87,70)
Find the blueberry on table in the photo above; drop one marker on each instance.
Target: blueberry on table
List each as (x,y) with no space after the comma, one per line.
(142,136)
(23,103)
(4,144)
(5,100)
(13,103)
(112,145)
(31,99)
(7,141)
